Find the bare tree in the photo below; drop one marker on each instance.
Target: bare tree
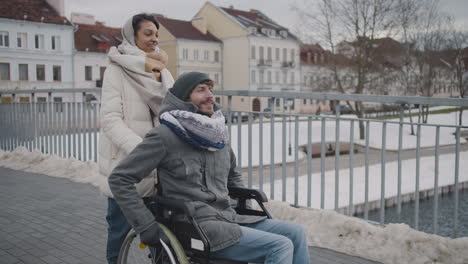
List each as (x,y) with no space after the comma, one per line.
(424,32)
(353,24)
(457,47)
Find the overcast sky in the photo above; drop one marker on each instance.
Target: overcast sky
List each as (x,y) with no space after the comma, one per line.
(115,12)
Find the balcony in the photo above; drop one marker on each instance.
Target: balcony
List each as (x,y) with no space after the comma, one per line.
(264,63)
(288,64)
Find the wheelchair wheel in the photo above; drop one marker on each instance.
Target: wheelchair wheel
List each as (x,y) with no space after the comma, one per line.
(132,253)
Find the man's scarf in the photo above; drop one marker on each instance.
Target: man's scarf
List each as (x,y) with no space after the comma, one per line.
(197,129)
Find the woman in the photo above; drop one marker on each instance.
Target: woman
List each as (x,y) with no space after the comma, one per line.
(134,85)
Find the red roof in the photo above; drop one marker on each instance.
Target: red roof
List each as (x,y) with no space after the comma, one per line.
(96,38)
(184,29)
(31,10)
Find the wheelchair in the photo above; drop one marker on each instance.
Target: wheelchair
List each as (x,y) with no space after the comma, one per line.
(192,244)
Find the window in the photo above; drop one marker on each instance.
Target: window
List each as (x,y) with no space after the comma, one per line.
(285,55)
(206,55)
(23,72)
(260,51)
(22,40)
(102,69)
(39,41)
(6,100)
(269,77)
(88,73)
(278,102)
(216,56)
(218,100)
(293,54)
(195,54)
(285,77)
(41,106)
(260,76)
(277,54)
(253,77)
(216,76)
(4,71)
(57,73)
(185,54)
(269,53)
(55,42)
(277,77)
(292,77)
(58,106)
(305,101)
(40,72)
(252,53)
(4,39)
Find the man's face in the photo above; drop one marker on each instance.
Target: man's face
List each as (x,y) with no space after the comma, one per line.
(202,97)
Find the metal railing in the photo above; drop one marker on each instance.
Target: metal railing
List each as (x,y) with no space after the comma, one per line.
(276,151)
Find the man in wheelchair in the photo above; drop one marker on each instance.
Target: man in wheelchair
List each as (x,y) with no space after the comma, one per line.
(195,165)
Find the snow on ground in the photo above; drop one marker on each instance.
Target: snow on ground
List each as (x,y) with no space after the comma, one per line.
(394,243)
(375,139)
(408,183)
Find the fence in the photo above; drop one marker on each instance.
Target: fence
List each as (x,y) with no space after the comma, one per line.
(276,150)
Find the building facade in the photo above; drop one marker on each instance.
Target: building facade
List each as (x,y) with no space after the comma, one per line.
(36,47)
(258,54)
(190,49)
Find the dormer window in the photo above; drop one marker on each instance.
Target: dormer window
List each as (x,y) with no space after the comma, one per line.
(252,30)
(284,33)
(265,31)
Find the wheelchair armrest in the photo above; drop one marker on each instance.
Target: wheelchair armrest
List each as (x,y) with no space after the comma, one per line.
(247,193)
(174,204)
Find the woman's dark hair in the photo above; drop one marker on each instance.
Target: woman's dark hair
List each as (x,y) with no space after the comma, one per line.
(137,19)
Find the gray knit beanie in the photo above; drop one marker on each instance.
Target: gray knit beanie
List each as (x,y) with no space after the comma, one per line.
(184,85)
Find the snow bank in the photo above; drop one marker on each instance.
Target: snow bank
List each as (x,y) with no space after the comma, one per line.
(394,243)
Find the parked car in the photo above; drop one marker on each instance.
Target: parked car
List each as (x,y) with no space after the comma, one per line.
(344,110)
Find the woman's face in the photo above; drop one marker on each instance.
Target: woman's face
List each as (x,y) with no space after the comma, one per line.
(146,37)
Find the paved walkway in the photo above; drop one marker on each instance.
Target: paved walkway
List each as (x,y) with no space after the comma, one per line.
(53,220)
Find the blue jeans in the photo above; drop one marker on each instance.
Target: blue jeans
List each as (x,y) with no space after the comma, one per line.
(269,242)
(117,229)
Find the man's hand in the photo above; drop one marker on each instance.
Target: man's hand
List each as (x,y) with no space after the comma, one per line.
(155,62)
(152,235)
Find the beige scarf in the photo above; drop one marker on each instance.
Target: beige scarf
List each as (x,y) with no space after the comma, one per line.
(132,60)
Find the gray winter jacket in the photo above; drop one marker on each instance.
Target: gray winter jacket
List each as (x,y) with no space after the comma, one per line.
(186,173)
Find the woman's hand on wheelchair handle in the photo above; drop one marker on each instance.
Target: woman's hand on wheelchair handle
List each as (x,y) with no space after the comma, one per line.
(152,235)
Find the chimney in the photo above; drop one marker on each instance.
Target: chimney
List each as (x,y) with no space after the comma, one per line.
(58,5)
(231,6)
(254,11)
(200,23)
(81,18)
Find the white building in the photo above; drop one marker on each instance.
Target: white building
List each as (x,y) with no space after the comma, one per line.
(36,48)
(258,53)
(190,49)
(92,42)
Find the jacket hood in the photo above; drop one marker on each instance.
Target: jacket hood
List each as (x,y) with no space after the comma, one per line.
(171,102)
(128,33)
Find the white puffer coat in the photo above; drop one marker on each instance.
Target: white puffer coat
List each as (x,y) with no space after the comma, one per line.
(125,120)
